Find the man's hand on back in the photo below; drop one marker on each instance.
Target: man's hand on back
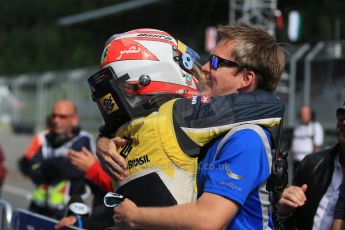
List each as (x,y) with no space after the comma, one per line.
(112,162)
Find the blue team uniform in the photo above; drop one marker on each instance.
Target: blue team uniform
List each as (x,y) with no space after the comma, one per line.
(239,173)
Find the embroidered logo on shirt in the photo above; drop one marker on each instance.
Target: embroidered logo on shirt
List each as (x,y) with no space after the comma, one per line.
(205,99)
(126,149)
(194,99)
(231,174)
(230,185)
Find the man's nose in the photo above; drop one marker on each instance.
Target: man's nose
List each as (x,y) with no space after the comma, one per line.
(206,69)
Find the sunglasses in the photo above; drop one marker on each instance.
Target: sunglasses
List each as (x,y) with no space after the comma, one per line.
(215,61)
(61,116)
(112,199)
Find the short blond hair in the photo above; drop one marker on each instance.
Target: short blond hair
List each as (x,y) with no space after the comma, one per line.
(256,49)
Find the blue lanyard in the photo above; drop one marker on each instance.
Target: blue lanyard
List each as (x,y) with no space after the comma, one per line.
(79,222)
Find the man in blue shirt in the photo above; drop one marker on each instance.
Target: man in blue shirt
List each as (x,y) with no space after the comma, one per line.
(238,173)
(234,172)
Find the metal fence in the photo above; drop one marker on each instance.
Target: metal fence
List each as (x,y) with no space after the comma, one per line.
(324,80)
(26,100)
(24,219)
(5,215)
(314,75)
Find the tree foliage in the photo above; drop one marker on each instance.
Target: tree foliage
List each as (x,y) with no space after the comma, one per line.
(32,41)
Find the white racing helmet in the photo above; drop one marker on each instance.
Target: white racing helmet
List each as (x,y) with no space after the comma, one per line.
(140,70)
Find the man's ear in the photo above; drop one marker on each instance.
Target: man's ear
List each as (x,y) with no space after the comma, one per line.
(249,79)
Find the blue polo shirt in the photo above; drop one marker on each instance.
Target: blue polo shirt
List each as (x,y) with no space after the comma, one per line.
(239,173)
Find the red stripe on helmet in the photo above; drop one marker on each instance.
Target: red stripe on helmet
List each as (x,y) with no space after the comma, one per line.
(125,49)
(158,87)
(149,35)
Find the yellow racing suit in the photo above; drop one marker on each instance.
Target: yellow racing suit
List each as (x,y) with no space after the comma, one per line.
(163,148)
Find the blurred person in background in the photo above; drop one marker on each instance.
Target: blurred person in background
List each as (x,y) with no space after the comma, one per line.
(310,202)
(2,168)
(100,183)
(307,136)
(50,170)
